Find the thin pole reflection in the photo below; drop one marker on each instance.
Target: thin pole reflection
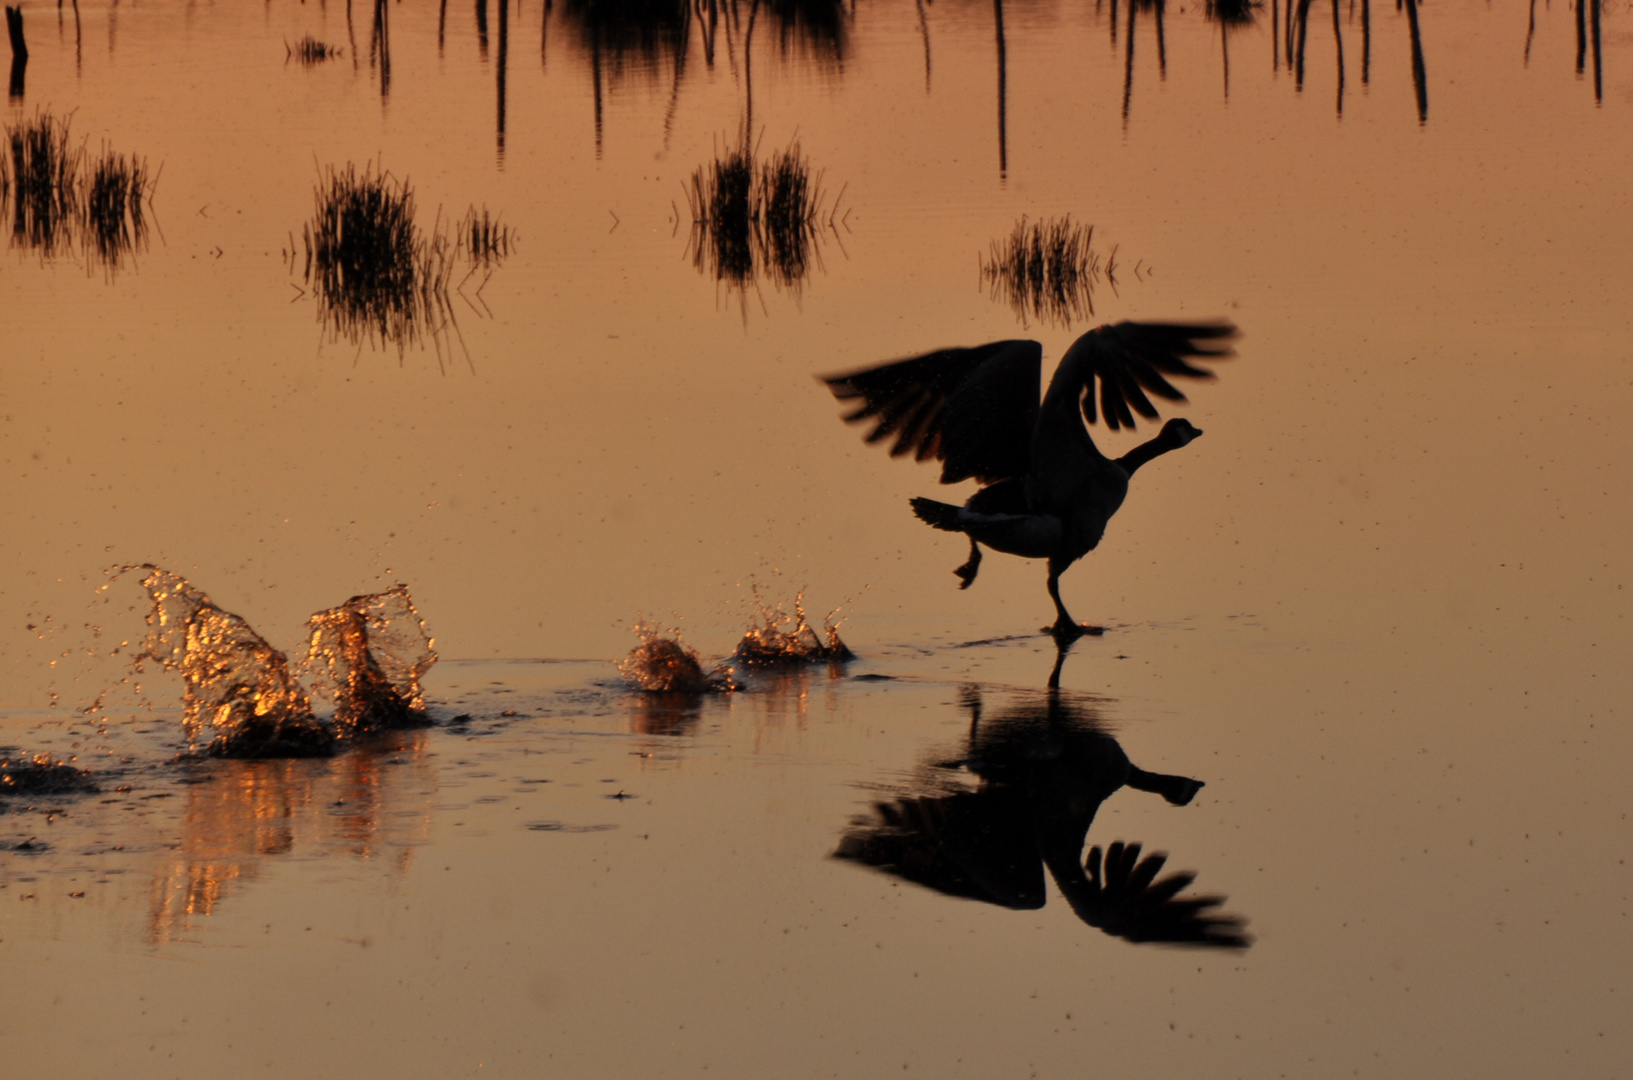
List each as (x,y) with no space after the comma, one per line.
(924,29)
(381,45)
(1598,72)
(1128,63)
(1420,77)
(1003,93)
(1338,39)
(1366,41)
(504,52)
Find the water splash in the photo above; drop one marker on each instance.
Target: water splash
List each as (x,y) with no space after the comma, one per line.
(781,639)
(239,697)
(663,665)
(368,656)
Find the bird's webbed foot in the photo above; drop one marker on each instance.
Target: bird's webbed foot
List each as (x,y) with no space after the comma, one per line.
(972,565)
(1065,630)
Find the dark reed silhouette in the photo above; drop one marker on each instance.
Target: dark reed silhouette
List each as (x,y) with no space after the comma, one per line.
(64,202)
(310,52)
(1047,270)
(752,215)
(44,184)
(377,276)
(1048,492)
(114,218)
(1041,770)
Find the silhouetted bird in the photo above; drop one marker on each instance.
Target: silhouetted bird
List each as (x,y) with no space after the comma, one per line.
(1041,772)
(1047,491)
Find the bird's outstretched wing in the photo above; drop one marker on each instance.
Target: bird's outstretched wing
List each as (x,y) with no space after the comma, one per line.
(972,409)
(1130,358)
(1130,902)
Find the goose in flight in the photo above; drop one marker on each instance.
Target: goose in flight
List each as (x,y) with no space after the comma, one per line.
(1047,491)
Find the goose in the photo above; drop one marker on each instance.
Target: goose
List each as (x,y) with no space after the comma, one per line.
(1047,491)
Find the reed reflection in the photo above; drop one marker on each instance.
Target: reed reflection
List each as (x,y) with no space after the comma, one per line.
(371,802)
(1291,33)
(1048,270)
(379,277)
(1232,15)
(1020,800)
(757,217)
(65,202)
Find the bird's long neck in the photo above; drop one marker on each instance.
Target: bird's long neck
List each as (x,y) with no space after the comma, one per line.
(1151,448)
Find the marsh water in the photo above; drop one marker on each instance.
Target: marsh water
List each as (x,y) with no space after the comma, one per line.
(1380,610)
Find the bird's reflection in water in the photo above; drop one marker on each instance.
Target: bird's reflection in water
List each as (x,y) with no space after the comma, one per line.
(1041,768)
(371,802)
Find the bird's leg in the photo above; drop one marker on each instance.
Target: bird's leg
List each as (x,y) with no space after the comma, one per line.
(1065,629)
(1063,645)
(972,565)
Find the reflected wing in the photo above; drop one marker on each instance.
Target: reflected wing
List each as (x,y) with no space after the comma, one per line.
(1131,903)
(1129,359)
(972,409)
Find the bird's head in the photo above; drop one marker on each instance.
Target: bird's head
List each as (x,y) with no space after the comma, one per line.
(1179,432)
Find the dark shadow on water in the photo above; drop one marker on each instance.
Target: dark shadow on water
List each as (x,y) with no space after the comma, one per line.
(1019,801)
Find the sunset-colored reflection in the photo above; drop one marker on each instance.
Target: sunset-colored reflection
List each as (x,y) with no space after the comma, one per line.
(369,802)
(1020,799)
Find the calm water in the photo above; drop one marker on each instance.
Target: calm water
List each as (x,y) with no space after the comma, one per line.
(1380,609)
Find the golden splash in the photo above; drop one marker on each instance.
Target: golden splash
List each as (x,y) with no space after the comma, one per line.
(239,697)
(368,656)
(782,639)
(664,665)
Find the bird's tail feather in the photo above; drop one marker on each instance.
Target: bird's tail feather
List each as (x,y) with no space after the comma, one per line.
(940,515)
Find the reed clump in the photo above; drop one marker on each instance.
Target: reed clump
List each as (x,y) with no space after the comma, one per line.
(1048,270)
(62,201)
(750,214)
(114,221)
(376,274)
(309,51)
(484,239)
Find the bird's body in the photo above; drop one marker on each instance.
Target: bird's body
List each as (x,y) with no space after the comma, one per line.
(1048,490)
